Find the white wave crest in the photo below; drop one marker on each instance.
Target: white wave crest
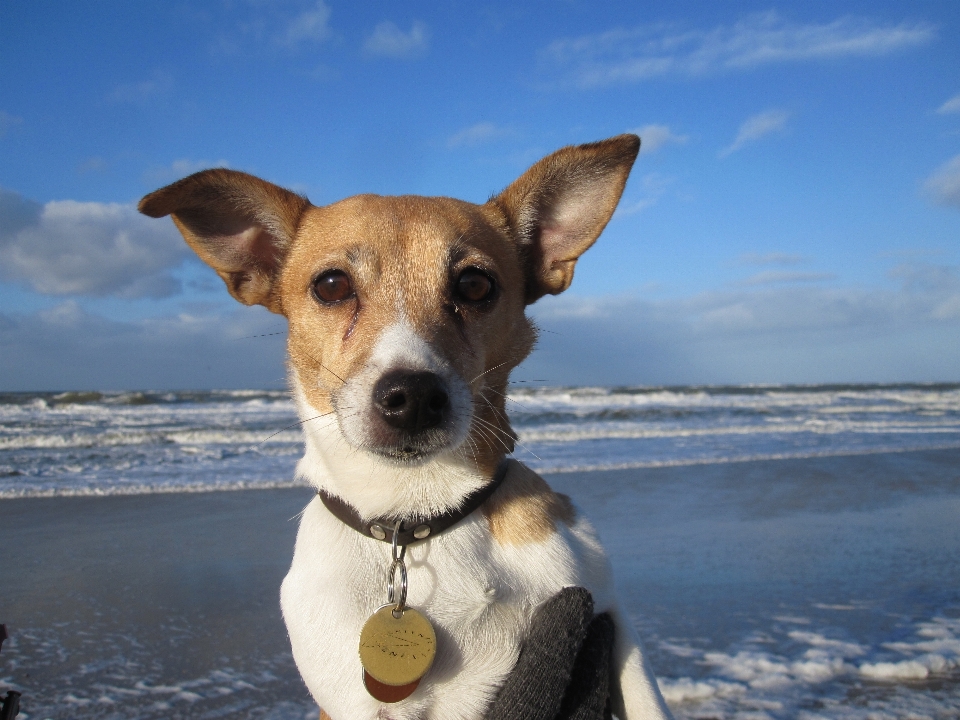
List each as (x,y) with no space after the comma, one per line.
(546,468)
(771,673)
(647,431)
(145,488)
(180,437)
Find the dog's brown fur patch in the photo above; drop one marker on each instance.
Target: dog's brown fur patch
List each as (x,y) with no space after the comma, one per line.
(525,510)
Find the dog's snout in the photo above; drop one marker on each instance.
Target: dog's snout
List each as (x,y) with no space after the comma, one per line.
(410,400)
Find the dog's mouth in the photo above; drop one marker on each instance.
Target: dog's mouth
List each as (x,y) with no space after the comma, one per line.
(411,453)
(408,454)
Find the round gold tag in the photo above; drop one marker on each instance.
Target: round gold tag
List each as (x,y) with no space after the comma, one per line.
(397,651)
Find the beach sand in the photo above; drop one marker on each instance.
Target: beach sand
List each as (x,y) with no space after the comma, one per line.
(166,605)
(161,605)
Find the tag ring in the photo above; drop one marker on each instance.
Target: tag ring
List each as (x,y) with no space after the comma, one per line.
(392,598)
(392,594)
(393,547)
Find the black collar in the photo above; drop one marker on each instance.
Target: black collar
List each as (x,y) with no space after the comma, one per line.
(414,529)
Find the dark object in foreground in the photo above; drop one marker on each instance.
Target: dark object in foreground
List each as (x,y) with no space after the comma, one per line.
(11,705)
(563,672)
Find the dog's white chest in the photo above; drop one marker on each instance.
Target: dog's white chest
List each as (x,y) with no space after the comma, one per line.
(478,594)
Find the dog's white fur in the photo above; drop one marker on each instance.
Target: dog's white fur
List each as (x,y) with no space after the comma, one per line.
(479,594)
(478,585)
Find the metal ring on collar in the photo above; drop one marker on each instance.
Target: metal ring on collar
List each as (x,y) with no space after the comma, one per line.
(393,547)
(401,601)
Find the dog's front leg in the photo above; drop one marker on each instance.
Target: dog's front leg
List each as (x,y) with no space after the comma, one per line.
(634,693)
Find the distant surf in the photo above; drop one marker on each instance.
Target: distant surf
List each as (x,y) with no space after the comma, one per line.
(106,443)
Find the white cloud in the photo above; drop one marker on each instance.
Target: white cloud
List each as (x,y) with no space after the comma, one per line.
(92,164)
(87,248)
(944,185)
(181,168)
(654,137)
(475,135)
(774,333)
(927,278)
(388,40)
(66,347)
(652,186)
(773,258)
(8,122)
(777,277)
(257,25)
(652,51)
(756,127)
(143,91)
(950,106)
(309,26)
(184,167)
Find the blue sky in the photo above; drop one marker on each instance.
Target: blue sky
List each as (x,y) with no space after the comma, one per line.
(794,215)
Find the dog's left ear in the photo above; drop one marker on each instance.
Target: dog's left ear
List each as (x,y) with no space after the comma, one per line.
(558,208)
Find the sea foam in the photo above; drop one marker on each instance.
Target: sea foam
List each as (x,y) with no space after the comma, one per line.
(78,443)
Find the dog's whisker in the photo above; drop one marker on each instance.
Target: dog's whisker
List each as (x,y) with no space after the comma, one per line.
(497,411)
(503,420)
(249,337)
(485,433)
(494,438)
(505,397)
(473,448)
(318,362)
(490,425)
(288,427)
(298,516)
(515,440)
(269,334)
(485,372)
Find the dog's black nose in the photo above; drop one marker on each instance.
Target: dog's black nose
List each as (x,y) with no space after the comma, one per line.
(411,400)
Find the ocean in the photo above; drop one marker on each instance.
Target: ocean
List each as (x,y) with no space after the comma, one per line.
(142,442)
(784,551)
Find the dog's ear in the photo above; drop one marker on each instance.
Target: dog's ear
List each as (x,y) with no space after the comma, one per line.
(238,224)
(559,207)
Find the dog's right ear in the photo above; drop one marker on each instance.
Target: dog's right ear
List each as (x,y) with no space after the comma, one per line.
(559,207)
(238,224)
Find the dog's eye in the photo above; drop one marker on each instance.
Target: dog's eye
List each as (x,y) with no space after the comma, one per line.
(474,286)
(333,286)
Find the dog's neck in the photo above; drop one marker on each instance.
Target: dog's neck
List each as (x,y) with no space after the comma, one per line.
(378,487)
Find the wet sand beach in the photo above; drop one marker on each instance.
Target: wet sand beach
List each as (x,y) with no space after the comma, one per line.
(793,588)
(163,605)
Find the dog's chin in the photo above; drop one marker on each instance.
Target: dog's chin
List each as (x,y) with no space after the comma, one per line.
(411,453)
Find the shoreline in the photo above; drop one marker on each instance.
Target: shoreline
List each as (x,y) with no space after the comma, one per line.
(129,491)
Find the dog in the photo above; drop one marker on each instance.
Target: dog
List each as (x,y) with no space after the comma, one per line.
(406,316)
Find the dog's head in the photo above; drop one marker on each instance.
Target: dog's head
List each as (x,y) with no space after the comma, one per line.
(406,313)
